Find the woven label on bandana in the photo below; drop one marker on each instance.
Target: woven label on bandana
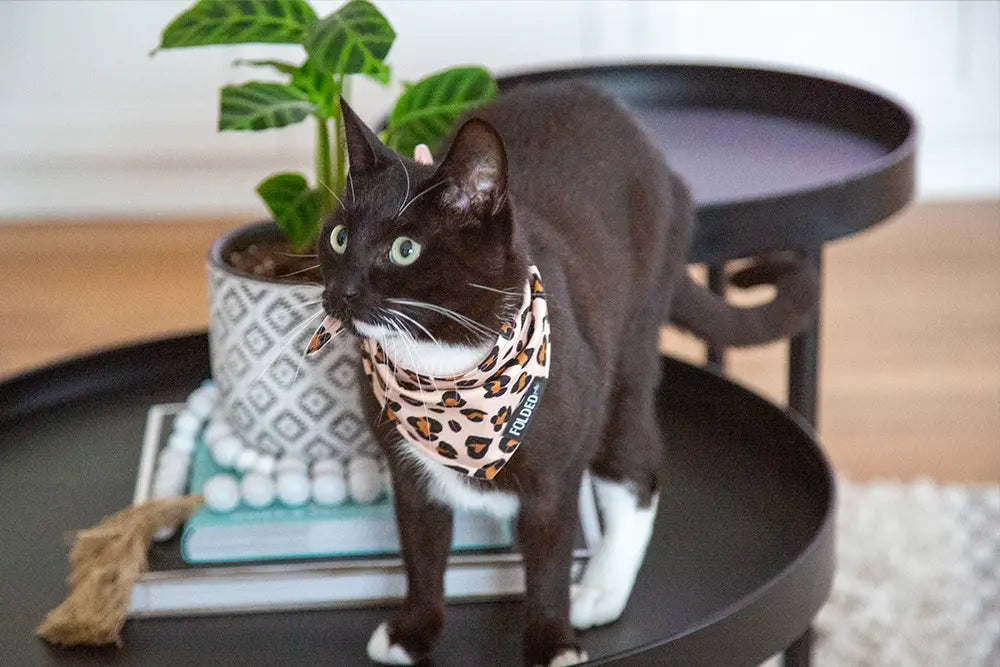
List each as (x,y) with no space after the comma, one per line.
(472,423)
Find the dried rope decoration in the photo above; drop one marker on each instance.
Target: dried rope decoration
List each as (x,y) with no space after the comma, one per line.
(105,564)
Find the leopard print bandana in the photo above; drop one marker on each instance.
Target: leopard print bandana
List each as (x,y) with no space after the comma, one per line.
(472,423)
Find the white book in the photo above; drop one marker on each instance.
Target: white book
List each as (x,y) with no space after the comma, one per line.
(174,587)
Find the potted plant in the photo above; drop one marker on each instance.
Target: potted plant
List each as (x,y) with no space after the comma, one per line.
(263,278)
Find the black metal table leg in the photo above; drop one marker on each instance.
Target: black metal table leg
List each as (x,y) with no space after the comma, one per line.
(799,654)
(803,387)
(803,357)
(717,283)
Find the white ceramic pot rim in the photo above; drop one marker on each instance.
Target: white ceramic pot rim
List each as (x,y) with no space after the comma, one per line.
(239,239)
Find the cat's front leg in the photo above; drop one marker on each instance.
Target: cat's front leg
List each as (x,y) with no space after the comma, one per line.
(546,529)
(425,535)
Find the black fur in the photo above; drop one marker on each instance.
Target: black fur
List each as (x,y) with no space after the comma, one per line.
(575,187)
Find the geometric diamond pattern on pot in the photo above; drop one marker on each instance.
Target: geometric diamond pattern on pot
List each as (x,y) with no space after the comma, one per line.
(316,401)
(291,427)
(237,362)
(319,396)
(347,427)
(265,442)
(240,415)
(284,370)
(253,292)
(261,397)
(234,306)
(344,372)
(220,325)
(282,316)
(257,340)
(222,379)
(318,448)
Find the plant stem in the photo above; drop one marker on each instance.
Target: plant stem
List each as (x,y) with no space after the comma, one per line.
(324,175)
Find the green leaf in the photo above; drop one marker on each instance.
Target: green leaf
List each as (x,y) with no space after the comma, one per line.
(427,110)
(240,22)
(316,84)
(355,39)
(296,207)
(259,106)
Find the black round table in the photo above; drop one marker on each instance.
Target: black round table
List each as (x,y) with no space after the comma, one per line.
(740,561)
(742,553)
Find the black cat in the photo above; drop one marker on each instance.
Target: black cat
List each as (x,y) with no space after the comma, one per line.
(562,178)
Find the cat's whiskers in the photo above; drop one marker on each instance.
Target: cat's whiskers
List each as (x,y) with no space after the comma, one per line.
(350,180)
(305,353)
(294,273)
(426,190)
(466,322)
(407,195)
(291,337)
(292,254)
(418,324)
(330,190)
(413,361)
(509,292)
(280,311)
(422,328)
(381,320)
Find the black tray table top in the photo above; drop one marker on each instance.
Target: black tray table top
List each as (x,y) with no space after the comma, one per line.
(740,561)
(775,160)
(742,553)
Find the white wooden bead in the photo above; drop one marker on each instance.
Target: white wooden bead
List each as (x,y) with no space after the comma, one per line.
(215,430)
(211,391)
(225,450)
(327,467)
(199,405)
(171,455)
(181,442)
(291,464)
(364,479)
(172,473)
(245,460)
(162,490)
(329,489)
(264,465)
(186,422)
(293,488)
(222,493)
(164,534)
(257,490)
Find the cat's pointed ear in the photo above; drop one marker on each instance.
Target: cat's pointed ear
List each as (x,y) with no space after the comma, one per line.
(364,150)
(475,171)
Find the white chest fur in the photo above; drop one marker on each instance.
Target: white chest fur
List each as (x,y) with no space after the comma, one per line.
(455,491)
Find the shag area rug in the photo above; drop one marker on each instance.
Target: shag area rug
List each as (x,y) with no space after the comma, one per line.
(918,578)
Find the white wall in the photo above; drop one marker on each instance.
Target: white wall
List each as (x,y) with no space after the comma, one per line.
(90,126)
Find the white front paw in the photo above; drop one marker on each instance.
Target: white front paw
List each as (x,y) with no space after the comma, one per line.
(380,649)
(570,656)
(589,607)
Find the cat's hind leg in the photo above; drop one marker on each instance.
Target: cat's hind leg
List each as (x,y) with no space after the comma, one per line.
(604,589)
(625,477)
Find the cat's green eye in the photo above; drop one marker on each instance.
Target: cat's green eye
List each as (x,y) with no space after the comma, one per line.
(338,239)
(404,251)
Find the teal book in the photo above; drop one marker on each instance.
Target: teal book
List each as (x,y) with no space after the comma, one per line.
(311,531)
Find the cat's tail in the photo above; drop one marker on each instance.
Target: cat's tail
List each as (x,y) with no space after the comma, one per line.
(708,316)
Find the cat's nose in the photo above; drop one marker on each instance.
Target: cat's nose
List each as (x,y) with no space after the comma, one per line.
(351,291)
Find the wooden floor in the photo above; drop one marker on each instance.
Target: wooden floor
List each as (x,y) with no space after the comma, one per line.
(911,325)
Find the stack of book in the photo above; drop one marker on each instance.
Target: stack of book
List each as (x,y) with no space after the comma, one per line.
(313,557)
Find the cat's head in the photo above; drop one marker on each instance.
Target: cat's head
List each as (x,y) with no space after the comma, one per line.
(426,249)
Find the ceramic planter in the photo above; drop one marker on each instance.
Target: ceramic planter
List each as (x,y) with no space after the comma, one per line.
(276,400)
